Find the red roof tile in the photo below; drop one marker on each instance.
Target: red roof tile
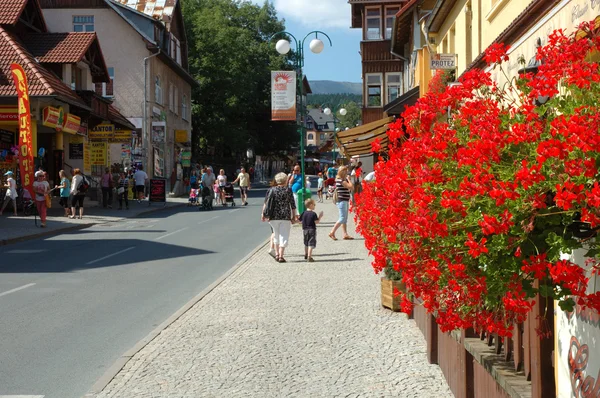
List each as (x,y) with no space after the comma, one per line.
(61,48)
(11,10)
(41,81)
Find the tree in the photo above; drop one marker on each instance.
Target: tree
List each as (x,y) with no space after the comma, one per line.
(352,118)
(231,56)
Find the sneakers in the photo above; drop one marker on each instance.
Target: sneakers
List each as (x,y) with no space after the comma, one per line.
(310,260)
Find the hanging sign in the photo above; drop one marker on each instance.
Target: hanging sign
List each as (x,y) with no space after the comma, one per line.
(181,136)
(283,95)
(25,151)
(50,117)
(98,153)
(102,132)
(443,61)
(71,123)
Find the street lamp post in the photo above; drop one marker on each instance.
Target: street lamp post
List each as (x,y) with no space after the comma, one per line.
(341,111)
(283,47)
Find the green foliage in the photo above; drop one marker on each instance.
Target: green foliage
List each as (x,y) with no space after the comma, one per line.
(332,100)
(231,56)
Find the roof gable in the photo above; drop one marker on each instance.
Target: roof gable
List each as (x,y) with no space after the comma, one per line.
(28,12)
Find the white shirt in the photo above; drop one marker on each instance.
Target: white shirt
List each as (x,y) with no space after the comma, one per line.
(11,192)
(222,180)
(140,177)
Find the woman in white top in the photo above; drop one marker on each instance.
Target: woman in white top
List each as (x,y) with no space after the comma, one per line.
(11,192)
(41,189)
(76,196)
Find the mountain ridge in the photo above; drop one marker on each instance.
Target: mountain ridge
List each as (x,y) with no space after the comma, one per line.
(334,87)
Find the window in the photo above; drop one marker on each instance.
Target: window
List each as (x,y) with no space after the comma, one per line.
(393,85)
(83,23)
(106,89)
(311,136)
(390,13)
(176,101)
(184,114)
(76,78)
(322,137)
(373,90)
(171,100)
(373,24)
(157,90)
(175,49)
(309,125)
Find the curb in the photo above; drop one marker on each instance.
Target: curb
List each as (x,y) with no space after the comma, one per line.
(111,372)
(72,228)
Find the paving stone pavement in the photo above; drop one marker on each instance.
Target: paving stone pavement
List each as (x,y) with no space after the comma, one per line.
(288,330)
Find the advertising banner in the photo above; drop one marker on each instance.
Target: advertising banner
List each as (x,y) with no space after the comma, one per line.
(159,132)
(98,154)
(50,117)
(25,151)
(102,132)
(283,95)
(87,158)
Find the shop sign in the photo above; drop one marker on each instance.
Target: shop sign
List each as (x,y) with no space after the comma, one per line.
(87,158)
(71,123)
(159,132)
(98,153)
(9,114)
(83,129)
(51,116)
(102,132)
(122,136)
(76,148)
(186,155)
(181,136)
(25,147)
(443,61)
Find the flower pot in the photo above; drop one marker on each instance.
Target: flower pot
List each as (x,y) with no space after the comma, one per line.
(388,300)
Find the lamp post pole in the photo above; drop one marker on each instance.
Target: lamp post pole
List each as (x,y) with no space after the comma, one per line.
(341,111)
(283,47)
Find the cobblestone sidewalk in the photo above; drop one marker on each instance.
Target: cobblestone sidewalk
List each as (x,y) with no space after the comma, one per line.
(288,330)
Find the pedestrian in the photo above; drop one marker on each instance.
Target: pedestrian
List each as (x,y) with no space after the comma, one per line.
(280,209)
(244,180)
(310,219)
(65,192)
(78,191)
(343,187)
(320,186)
(107,189)
(208,180)
(11,192)
(331,171)
(140,178)
(193,179)
(295,183)
(41,189)
(222,180)
(122,191)
(217,192)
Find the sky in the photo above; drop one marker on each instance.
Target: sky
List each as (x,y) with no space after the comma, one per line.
(341,61)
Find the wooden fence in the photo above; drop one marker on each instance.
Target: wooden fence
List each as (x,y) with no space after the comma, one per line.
(486,366)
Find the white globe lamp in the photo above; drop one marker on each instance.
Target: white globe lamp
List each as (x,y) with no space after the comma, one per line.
(327,111)
(343,111)
(316,46)
(282,46)
(347,128)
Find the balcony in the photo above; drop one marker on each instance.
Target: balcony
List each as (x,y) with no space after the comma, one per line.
(377,57)
(372,115)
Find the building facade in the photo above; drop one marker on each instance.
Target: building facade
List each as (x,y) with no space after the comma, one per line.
(146,54)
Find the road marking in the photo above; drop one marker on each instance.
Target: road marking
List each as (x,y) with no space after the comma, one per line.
(172,233)
(231,211)
(24,252)
(210,219)
(16,290)
(110,255)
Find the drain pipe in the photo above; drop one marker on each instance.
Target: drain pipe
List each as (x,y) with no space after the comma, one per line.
(145,110)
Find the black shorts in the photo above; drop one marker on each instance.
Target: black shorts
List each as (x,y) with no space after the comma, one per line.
(310,237)
(244,190)
(140,188)
(77,200)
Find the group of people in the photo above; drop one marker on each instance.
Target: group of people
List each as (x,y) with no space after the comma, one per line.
(280,210)
(216,185)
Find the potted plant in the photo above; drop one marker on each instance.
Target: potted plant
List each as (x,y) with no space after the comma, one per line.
(392,288)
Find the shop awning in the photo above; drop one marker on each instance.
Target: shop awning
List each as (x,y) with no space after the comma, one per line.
(397,106)
(357,141)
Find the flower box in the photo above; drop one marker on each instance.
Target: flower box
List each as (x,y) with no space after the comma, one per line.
(388,300)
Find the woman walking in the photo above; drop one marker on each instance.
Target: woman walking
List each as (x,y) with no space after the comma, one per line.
(41,189)
(222,180)
(123,191)
(76,195)
(65,192)
(280,210)
(343,187)
(11,192)
(107,188)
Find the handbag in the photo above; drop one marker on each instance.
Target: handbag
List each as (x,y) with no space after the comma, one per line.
(121,190)
(335,196)
(48,199)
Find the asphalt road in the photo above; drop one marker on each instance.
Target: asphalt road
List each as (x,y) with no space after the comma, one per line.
(72,304)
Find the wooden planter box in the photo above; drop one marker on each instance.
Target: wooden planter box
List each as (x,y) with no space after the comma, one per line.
(388,300)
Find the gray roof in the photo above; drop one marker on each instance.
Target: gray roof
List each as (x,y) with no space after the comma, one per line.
(319,117)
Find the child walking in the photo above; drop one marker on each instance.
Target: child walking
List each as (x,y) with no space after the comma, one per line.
(309,220)
(217,192)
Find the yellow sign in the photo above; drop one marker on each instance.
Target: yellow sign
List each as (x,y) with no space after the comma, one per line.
(102,132)
(122,136)
(71,123)
(87,164)
(98,153)
(181,136)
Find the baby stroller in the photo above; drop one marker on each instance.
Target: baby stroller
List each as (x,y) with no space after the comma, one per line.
(206,203)
(25,202)
(193,200)
(229,192)
(330,184)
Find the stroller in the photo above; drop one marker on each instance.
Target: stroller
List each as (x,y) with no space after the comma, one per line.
(330,184)
(193,200)
(206,203)
(229,192)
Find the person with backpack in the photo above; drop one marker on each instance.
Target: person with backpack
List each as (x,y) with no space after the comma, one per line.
(79,187)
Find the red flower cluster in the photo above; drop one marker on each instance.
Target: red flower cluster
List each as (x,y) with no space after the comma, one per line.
(474,206)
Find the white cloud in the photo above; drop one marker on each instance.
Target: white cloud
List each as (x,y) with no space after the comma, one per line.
(314,13)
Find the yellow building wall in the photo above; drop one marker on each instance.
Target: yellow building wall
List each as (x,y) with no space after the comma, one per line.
(498,17)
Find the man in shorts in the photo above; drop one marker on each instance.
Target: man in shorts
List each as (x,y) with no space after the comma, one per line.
(140,178)
(244,180)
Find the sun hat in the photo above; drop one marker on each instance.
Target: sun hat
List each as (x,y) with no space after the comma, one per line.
(8,173)
(39,173)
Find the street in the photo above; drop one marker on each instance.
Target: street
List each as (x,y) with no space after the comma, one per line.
(72,304)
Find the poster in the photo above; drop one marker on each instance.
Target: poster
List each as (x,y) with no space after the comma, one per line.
(25,150)
(125,151)
(98,154)
(87,158)
(159,163)
(283,95)
(76,148)
(159,132)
